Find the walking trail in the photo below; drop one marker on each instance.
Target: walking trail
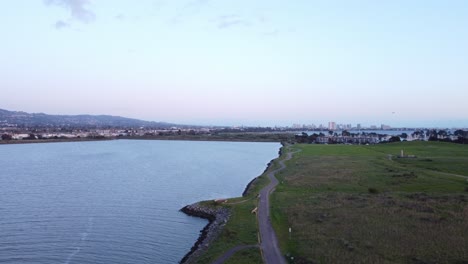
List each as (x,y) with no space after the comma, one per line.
(268,240)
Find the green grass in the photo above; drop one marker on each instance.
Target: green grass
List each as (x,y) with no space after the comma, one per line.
(241,229)
(251,256)
(352,204)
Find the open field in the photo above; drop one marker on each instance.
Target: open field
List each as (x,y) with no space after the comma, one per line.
(357,204)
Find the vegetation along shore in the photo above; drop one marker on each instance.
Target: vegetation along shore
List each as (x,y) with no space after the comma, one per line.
(358,203)
(401,202)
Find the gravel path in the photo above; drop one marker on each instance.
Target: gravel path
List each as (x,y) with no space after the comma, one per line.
(231,252)
(269,241)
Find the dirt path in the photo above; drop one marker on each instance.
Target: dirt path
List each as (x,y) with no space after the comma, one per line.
(269,241)
(239,202)
(231,252)
(452,174)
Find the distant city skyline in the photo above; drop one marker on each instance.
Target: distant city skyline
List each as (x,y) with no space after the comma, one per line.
(265,63)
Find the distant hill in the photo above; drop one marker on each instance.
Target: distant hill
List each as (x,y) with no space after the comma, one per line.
(23,119)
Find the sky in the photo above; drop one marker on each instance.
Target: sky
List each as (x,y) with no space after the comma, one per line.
(239,62)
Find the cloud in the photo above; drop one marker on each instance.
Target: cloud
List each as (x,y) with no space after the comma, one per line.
(188,9)
(195,4)
(120,17)
(61,24)
(77,8)
(231,21)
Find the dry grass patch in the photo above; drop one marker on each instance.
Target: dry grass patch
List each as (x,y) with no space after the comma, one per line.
(330,228)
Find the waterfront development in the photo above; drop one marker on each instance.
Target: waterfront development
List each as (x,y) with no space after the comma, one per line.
(115,201)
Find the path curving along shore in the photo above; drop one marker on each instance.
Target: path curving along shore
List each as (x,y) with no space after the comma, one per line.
(269,242)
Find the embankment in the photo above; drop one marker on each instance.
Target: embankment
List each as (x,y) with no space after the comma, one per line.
(217,218)
(247,188)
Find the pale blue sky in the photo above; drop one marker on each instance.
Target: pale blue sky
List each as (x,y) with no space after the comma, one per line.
(239,61)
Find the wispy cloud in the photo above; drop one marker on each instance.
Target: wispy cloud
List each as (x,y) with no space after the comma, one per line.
(195,4)
(228,21)
(61,24)
(188,9)
(78,9)
(120,17)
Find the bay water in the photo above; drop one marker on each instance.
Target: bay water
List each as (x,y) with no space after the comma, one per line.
(115,201)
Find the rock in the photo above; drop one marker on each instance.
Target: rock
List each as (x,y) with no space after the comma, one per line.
(217,218)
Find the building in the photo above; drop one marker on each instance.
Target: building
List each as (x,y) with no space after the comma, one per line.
(331,125)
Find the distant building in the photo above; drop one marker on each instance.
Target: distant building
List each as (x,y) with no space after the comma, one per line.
(331,125)
(384,127)
(358,126)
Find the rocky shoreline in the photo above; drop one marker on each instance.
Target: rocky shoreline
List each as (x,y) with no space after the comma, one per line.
(280,152)
(217,218)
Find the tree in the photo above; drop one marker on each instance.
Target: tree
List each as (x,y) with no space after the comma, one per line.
(432,134)
(442,133)
(302,138)
(394,139)
(30,137)
(312,138)
(418,134)
(460,133)
(7,137)
(404,135)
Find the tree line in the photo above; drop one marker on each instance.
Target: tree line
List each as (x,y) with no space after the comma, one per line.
(458,136)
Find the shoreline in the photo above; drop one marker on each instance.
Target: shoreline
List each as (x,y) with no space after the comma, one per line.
(217,139)
(43,141)
(269,164)
(216,219)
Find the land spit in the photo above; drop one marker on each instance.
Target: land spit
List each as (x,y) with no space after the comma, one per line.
(217,218)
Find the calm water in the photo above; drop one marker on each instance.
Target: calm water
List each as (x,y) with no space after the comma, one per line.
(115,201)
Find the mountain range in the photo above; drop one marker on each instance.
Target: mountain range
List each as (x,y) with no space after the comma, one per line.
(23,119)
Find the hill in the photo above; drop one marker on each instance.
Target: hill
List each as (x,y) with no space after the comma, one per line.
(23,119)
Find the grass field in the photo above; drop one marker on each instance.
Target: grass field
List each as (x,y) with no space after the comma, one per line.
(363,204)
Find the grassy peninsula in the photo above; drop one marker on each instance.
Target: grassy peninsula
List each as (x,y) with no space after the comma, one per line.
(360,204)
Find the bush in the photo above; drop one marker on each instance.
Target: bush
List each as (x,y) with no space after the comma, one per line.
(373,190)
